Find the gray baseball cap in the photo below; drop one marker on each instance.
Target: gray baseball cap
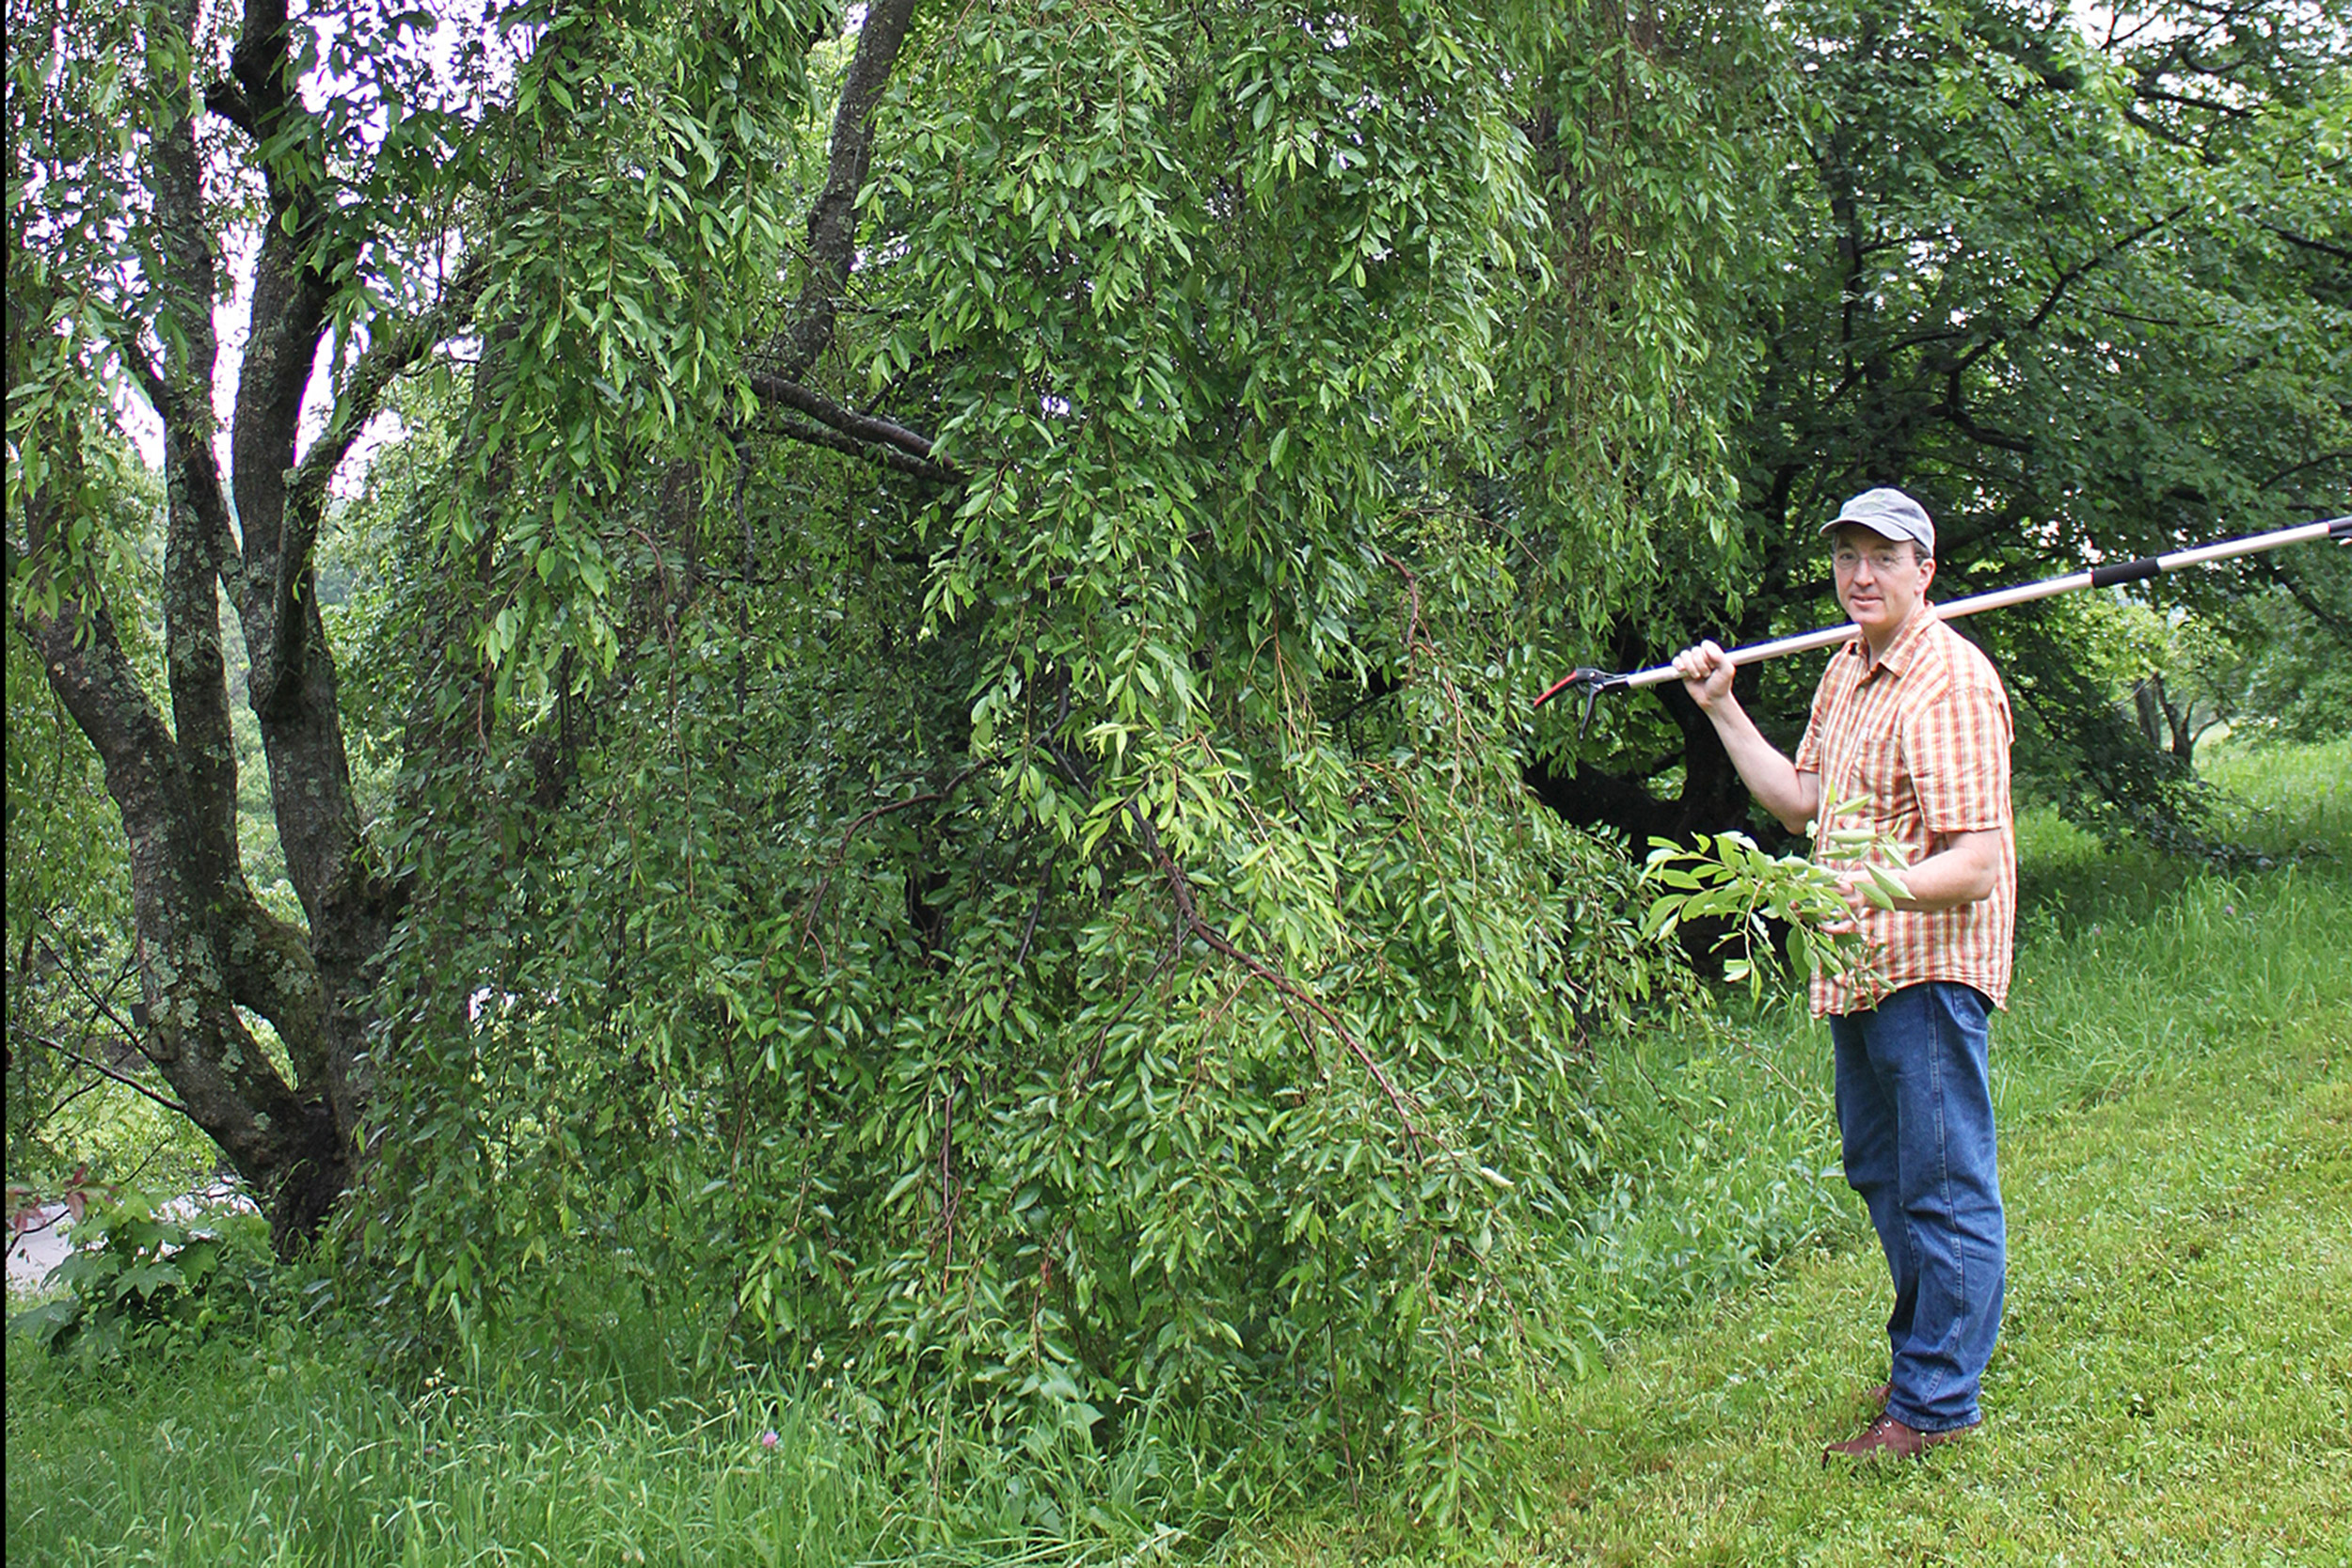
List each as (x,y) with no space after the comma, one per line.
(1889,514)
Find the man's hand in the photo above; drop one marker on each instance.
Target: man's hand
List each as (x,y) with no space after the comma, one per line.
(1706,672)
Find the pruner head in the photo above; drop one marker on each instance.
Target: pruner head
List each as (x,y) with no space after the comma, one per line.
(1594,683)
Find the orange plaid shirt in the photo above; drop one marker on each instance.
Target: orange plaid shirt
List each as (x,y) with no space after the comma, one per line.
(1923,735)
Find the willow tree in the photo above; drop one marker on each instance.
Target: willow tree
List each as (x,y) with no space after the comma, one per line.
(957,641)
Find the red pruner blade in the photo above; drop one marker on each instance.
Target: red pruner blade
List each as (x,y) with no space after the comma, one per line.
(1595,682)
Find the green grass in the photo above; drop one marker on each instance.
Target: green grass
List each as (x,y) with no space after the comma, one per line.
(241,1456)
(2174,1383)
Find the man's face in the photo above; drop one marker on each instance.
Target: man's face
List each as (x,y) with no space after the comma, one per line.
(1879,580)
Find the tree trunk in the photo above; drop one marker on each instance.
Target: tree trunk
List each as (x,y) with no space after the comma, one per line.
(2179,718)
(2149,706)
(1712,798)
(211,958)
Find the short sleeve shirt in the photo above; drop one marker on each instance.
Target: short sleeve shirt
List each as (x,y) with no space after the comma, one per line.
(1921,737)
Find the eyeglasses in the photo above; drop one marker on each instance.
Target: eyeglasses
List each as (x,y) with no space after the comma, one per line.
(1891,559)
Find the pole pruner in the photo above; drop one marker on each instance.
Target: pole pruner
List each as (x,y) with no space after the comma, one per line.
(1594,682)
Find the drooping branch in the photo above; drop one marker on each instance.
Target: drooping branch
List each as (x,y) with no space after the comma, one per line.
(1188,911)
(2320,461)
(888,808)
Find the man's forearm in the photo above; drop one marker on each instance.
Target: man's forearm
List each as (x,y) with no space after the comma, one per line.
(1964,871)
(1792,797)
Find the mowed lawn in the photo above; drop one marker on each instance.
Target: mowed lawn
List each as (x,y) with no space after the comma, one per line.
(2174,1380)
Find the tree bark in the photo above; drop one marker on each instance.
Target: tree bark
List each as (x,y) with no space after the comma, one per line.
(211,958)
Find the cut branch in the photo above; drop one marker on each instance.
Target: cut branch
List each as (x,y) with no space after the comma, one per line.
(832,440)
(100,1067)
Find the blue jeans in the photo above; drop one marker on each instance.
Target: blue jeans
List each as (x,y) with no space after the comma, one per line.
(1915,1110)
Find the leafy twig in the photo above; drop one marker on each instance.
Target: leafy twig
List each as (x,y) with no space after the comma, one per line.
(1731,877)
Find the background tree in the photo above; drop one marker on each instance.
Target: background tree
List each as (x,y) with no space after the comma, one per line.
(2298,681)
(2081,292)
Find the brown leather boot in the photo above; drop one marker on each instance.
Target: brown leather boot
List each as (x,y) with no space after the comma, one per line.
(1889,1437)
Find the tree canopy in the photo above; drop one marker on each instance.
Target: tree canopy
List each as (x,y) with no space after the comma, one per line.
(2082,292)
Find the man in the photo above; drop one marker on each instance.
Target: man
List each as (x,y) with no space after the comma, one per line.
(1911,721)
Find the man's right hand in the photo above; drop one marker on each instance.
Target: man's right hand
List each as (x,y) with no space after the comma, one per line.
(1706,672)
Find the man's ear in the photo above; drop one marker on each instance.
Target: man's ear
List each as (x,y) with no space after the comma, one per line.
(1927,569)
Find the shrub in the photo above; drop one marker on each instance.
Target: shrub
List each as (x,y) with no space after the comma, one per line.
(140,1281)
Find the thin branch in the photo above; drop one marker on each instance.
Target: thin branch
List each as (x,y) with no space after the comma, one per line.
(2284,474)
(2159,95)
(2305,242)
(2066,280)
(78,1059)
(2161,132)
(2303,595)
(1179,887)
(363,394)
(1983,435)
(80,982)
(142,368)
